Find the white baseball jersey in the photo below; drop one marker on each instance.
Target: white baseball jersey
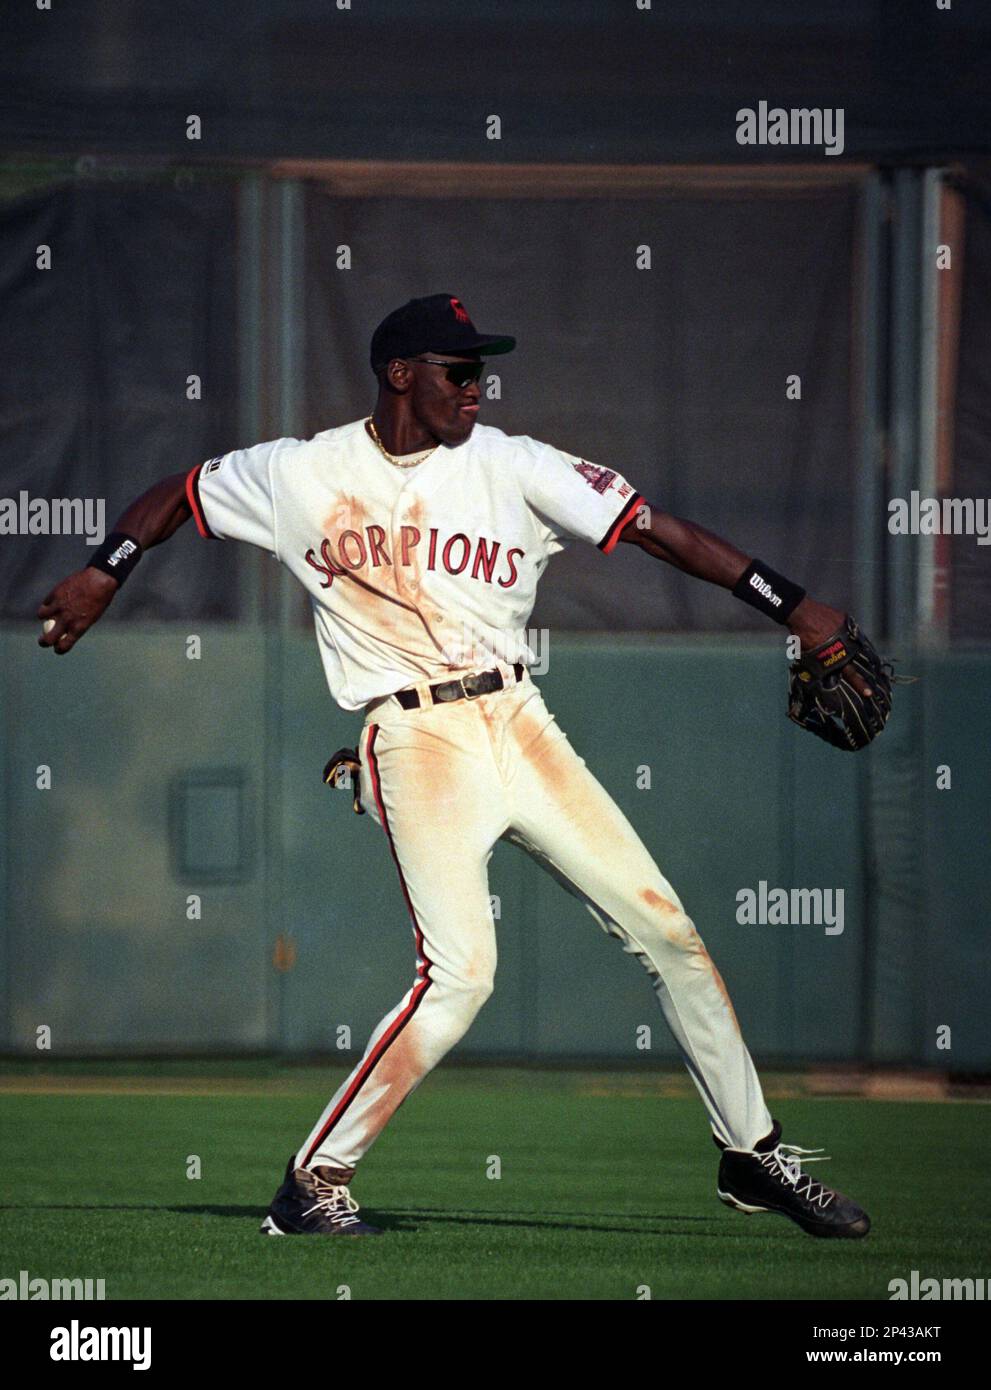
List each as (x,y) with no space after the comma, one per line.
(412,572)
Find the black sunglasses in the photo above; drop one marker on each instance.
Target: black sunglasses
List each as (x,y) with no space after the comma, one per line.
(458,373)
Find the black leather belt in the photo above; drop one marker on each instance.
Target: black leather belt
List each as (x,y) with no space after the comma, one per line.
(467,688)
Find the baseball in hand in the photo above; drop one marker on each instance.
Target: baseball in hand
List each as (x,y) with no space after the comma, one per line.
(49,623)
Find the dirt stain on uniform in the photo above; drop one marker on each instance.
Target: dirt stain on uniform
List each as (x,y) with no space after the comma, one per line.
(380,603)
(479,967)
(672,930)
(690,941)
(698,949)
(426,775)
(397,1073)
(347,514)
(564,778)
(527,731)
(654,899)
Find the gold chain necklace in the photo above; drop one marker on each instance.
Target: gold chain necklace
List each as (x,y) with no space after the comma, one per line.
(398,462)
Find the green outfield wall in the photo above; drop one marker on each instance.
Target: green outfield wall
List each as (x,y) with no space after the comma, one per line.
(174,780)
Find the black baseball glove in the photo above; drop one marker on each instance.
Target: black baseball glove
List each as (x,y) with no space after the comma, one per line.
(823,700)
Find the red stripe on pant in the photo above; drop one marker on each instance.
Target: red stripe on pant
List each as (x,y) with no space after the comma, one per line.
(419,989)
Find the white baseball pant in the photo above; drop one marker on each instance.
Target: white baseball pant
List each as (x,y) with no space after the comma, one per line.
(446,782)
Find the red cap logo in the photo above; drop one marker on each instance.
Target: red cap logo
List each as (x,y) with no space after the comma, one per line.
(460,312)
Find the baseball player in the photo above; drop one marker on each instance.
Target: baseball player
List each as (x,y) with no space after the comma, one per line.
(420,536)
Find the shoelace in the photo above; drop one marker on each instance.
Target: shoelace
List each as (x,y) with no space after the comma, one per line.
(335,1202)
(785,1162)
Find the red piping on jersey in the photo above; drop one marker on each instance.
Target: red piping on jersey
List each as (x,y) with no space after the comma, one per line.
(195,505)
(419,989)
(611,539)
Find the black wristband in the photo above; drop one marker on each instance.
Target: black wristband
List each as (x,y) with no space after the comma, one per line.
(117,556)
(767,591)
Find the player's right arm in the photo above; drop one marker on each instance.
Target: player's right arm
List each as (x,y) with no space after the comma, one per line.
(77,601)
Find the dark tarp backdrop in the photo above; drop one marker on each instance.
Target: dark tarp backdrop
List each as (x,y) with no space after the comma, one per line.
(93,394)
(394,79)
(675,375)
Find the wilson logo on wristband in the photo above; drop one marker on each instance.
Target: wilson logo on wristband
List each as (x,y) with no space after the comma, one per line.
(765,590)
(117,556)
(123,551)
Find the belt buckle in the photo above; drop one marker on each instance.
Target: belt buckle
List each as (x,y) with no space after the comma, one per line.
(467,694)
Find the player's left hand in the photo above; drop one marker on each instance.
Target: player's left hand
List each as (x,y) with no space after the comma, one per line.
(814,623)
(840,689)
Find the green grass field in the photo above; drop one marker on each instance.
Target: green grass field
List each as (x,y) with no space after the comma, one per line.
(607,1184)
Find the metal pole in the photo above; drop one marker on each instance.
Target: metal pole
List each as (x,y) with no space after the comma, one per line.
(905,382)
(898,920)
(250,339)
(870,346)
(929,630)
(289,333)
(285,269)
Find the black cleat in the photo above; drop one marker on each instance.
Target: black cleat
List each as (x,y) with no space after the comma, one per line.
(314,1202)
(770,1178)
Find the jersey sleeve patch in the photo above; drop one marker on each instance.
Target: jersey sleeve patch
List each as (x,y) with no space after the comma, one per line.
(610,540)
(599,479)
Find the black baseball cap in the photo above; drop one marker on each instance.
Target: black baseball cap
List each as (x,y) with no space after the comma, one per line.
(437,323)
